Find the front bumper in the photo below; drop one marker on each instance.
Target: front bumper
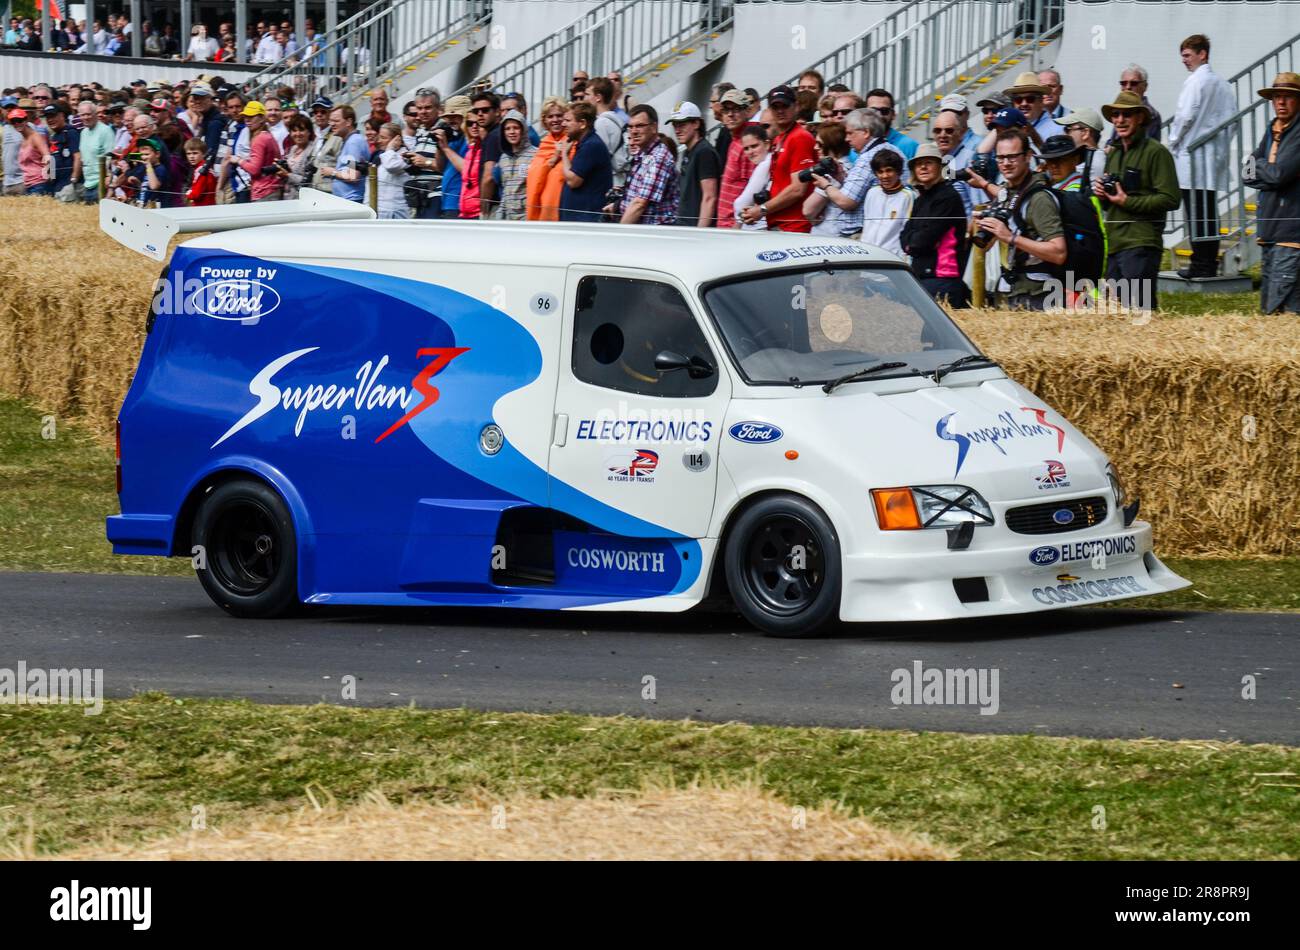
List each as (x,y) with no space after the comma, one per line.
(919,586)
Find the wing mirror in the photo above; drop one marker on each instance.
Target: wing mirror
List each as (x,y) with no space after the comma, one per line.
(696,367)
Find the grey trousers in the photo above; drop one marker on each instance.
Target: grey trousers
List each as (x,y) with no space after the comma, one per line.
(1279,288)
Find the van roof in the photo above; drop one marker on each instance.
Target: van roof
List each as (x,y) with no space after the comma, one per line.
(694,255)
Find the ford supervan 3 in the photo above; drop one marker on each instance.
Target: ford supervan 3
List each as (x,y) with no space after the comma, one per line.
(593,417)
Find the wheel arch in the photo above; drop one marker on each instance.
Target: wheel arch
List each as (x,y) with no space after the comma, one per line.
(241,468)
(717,572)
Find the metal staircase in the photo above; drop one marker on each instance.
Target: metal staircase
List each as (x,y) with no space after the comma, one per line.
(379,46)
(654,45)
(930,48)
(1237,138)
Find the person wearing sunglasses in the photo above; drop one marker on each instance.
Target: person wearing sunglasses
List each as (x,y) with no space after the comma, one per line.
(1134,79)
(882,100)
(485,109)
(1029,95)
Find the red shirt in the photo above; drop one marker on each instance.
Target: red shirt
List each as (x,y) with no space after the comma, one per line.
(735,176)
(791,153)
(203,190)
(262,151)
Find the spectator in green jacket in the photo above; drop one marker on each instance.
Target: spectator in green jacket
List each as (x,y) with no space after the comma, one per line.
(1143,191)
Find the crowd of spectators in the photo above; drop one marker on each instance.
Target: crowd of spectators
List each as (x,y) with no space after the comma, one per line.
(1044,189)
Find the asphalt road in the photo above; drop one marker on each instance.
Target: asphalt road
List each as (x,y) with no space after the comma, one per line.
(1084,672)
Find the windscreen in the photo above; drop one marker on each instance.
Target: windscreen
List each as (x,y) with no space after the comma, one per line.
(813,326)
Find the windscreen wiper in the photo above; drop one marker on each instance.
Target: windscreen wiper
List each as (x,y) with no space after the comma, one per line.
(941,371)
(860,374)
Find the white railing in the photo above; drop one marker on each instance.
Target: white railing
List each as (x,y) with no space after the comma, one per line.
(929,46)
(374,45)
(632,36)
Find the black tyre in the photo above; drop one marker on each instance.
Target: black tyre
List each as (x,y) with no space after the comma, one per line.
(249,548)
(783,567)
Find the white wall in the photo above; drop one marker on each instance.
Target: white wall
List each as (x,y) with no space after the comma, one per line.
(1149,33)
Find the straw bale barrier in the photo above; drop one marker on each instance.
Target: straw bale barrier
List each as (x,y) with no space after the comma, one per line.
(1200,414)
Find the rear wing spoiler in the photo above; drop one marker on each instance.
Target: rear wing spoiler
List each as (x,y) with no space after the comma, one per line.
(148,231)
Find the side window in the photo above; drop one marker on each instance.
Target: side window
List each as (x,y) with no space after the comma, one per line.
(621,325)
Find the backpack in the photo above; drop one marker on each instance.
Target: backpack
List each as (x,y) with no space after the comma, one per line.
(1085,232)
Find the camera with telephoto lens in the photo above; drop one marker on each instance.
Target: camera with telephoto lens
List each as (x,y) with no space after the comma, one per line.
(981,238)
(826,168)
(961,174)
(454,134)
(1110,183)
(615,196)
(762,197)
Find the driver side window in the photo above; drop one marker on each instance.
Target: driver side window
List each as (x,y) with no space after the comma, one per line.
(622,324)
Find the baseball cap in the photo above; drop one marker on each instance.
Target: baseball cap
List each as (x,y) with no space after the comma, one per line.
(160,103)
(153,143)
(781,94)
(200,89)
(8,101)
(953,103)
(50,109)
(995,100)
(254,108)
(735,97)
(1008,119)
(1089,117)
(322,102)
(17,114)
(684,112)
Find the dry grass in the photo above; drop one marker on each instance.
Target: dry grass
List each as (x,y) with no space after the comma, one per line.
(1168,399)
(741,824)
(1200,414)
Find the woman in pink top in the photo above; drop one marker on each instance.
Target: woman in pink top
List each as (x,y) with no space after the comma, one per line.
(471,170)
(263,153)
(33,155)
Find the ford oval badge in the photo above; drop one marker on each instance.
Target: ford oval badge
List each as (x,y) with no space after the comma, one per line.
(755,432)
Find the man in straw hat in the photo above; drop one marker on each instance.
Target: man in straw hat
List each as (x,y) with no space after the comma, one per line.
(1274,169)
(1205,103)
(1027,94)
(1143,191)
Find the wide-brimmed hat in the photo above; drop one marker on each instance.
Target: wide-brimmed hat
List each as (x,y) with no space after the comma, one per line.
(1058,146)
(1125,102)
(927,150)
(1285,82)
(1026,83)
(457,105)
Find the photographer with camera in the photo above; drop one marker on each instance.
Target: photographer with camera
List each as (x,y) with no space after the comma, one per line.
(935,235)
(424,161)
(832,167)
(866,132)
(263,156)
(651,195)
(1027,219)
(1138,190)
(347,176)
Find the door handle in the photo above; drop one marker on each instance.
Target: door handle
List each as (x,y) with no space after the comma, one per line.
(561,433)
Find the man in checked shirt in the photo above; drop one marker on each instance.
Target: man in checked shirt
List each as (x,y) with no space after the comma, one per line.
(651,194)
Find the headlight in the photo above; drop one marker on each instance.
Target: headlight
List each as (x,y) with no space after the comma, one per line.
(1116,488)
(929,506)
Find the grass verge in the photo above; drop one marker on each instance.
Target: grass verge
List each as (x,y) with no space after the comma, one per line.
(137,771)
(55,493)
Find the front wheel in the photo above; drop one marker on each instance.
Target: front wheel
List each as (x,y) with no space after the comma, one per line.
(783,567)
(249,552)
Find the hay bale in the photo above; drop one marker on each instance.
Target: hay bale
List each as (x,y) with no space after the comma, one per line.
(1170,400)
(695,824)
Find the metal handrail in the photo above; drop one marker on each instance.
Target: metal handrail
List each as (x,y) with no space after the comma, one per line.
(366,48)
(630,36)
(928,45)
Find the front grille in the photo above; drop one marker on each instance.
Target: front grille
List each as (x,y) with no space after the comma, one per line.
(1038,519)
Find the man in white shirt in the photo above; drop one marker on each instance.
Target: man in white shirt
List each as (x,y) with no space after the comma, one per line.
(1028,95)
(269,50)
(949,132)
(1205,103)
(275,120)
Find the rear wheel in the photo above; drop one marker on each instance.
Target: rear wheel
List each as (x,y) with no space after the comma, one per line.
(249,563)
(783,567)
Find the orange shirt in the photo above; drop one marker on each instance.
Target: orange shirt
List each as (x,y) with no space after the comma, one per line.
(545,183)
